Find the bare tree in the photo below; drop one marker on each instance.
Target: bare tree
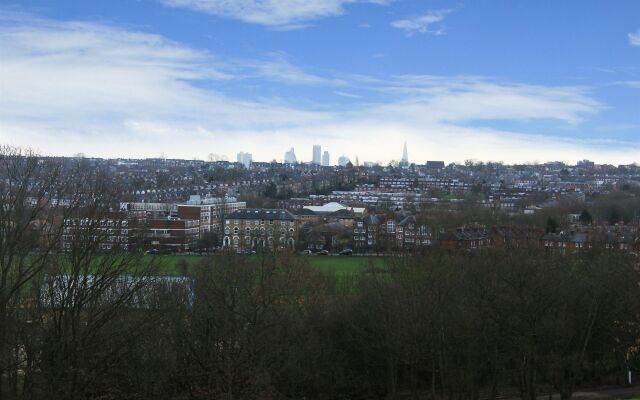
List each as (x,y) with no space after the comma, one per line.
(34,196)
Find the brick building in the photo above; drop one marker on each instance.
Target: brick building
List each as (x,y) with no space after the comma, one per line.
(172,234)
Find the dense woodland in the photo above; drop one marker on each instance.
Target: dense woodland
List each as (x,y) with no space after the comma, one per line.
(85,324)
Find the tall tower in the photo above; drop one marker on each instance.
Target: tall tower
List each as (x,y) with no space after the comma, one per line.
(405,154)
(326,159)
(290,157)
(317,154)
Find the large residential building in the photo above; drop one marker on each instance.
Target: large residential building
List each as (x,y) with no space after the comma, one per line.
(209,211)
(260,228)
(317,154)
(110,232)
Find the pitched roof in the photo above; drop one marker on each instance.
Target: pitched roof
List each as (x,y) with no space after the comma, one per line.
(407,220)
(262,213)
(371,220)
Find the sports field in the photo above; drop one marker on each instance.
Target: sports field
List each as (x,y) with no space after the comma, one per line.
(331,264)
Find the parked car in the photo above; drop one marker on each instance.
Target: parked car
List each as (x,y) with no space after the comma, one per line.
(346,252)
(306,252)
(323,253)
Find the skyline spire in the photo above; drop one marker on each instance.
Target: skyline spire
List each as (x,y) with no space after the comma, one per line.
(405,153)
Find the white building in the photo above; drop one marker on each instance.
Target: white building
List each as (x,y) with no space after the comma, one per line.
(244,159)
(290,157)
(332,207)
(317,153)
(326,159)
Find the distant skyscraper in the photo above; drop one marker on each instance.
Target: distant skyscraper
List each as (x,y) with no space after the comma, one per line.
(317,153)
(326,159)
(343,161)
(405,154)
(245,159)
(290,157)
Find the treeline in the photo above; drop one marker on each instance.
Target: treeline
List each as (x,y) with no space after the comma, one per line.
(93,324)
(435,326)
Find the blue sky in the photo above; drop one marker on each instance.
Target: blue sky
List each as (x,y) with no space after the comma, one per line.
(512,81)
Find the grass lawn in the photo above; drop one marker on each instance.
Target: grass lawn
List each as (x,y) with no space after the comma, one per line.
(331,264)
(344,264)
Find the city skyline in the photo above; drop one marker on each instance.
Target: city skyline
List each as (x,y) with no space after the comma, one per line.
(517,82)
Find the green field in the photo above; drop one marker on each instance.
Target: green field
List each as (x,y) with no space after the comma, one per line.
(331,264)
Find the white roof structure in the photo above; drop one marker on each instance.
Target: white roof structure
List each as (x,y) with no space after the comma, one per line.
(333,207)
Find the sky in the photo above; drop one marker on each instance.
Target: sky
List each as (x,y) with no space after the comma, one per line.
(513,81)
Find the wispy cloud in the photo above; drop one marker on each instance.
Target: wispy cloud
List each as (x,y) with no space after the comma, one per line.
(634,38)
(426,23)
(472,98)
(276,14)
(277,68)
(631,84)
(349,95)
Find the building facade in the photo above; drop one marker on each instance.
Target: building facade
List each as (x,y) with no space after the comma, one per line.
(256,229)
(210,211)
(172,234)
(111,232)
(317,154)
(326,159)
(290,157)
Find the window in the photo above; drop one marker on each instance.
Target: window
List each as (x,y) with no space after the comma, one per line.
(391,227)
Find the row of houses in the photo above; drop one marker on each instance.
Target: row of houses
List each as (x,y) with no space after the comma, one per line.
(332,226)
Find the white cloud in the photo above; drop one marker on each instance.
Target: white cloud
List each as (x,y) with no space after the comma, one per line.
(72,87)
(634,38)
(278,14)
(423,23)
